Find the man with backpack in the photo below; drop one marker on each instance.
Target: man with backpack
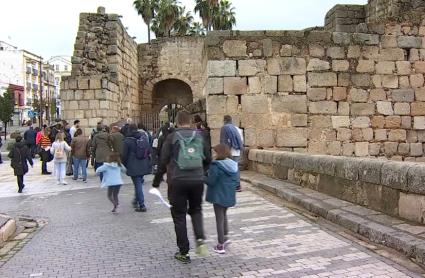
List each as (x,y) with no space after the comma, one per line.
(185,155)
(231,136)
(136,158)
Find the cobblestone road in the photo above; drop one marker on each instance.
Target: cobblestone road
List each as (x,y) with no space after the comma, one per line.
(83,239)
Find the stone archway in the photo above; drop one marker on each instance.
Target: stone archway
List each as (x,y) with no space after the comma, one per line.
(171,91)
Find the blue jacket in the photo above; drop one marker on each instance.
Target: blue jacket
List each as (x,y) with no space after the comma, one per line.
(135,167)
(111,174)
(29,136)
(229,135)
(222,181)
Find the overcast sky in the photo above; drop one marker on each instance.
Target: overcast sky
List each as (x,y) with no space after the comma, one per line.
(48,27)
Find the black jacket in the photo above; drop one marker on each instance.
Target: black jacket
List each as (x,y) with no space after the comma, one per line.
(168,161)
(135,166)
(19,156)
(29,136)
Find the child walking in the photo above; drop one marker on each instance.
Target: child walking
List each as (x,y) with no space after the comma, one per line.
(58,149)
(222,181)
(111,177)
(19,156)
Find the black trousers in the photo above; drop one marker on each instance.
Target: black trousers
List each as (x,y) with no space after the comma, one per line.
(186,198)
(113,192)
(221,223)
(20,179)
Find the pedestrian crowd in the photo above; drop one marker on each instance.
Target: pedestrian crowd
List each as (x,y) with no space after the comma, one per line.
(180,153)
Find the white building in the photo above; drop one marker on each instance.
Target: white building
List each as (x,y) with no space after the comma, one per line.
(62,67)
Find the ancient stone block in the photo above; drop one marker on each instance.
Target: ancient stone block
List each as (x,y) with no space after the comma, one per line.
(269,84)
(267,47)
(265,137)
(336,52)
(320,121)
(412,207)
(334,148)
(389,41)
(316,50)
(354,51)
(251,67)
(286,65)
(215,86)
(409,42)
(234,48)
(361,149)
(289,104)
(420,94)
(418,108)
(380,134)
(361,80)
(377,81)
(390,81)
(317,65)
(401,108)
(339,93)
(391,54)
(323,107)
(221,68)
(392,122)
(327,79)
(368,39)
(343,134)
(343,108)
(419,123)
(285,83)
(216,105)
(419,67)
(403,148)
(385,67)
(362,109)
(394,175)
(316,94)
(384,108)
(317,147)
(340,121)
(361,122)
(370,52)
(255,104)
(344,79)
(406,122)
(299,120)
(235,85)
(378,121)
(390,148)
(377,94)
(340,65)
(403,95)
(292,137)
(254,85)
(403,82)
(416,149)
(286,50)
(347,149)
(397,135)
(358,95)
(365,66)
(416,80)
(403,67)
(300,83)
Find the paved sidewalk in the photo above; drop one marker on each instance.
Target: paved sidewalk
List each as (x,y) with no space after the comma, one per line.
(83,239)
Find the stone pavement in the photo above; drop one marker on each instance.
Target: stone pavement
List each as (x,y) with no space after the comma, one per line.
(83,239)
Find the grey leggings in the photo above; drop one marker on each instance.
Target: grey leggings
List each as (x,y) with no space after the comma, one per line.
(113,194)
(221,222)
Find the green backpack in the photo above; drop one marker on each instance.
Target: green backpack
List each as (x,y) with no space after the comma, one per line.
(191,152)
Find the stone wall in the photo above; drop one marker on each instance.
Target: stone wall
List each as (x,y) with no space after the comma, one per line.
(182,58)
(380,10)
(103,81)
(345,18)
(394,188)
(351,94)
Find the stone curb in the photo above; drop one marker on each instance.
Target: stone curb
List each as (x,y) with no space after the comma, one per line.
(369,223)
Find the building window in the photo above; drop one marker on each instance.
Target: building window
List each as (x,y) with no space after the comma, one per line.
(57,67)
(66,67)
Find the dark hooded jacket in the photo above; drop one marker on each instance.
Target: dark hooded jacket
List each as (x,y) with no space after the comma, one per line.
(19,155)
(101,147)
(222,181)
(135,166)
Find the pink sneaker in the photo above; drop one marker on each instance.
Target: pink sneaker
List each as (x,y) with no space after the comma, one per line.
(219,248)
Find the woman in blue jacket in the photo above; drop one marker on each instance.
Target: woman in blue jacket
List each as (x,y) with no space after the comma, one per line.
(222,181)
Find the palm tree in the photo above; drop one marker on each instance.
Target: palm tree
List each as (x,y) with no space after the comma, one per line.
(205,10)
(197,29)
(224,17)
(146,8)
(183,23)
(167,14)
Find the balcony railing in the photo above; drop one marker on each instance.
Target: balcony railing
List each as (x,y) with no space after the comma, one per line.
(35,71)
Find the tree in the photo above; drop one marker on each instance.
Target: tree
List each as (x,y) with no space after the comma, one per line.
(224,16)
(197,29)
(167,15)
(183,23)
(7,106)
(205,11)
(146,8)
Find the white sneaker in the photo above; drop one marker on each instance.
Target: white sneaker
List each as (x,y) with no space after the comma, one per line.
(64,183)
(58,182)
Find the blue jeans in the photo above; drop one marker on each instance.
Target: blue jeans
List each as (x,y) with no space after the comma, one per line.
(97,165)
(138,190)
(79,163)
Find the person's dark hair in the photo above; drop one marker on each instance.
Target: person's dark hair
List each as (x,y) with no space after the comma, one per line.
(37,129)
(183,118)
(132,127)
(222,151)
(114,157)
(18,138)
(78,132)
(76,122)
(106,128)
(141,126)
(227,119)
(197,119)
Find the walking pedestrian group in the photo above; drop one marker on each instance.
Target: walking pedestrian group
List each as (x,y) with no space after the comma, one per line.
(183,153)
